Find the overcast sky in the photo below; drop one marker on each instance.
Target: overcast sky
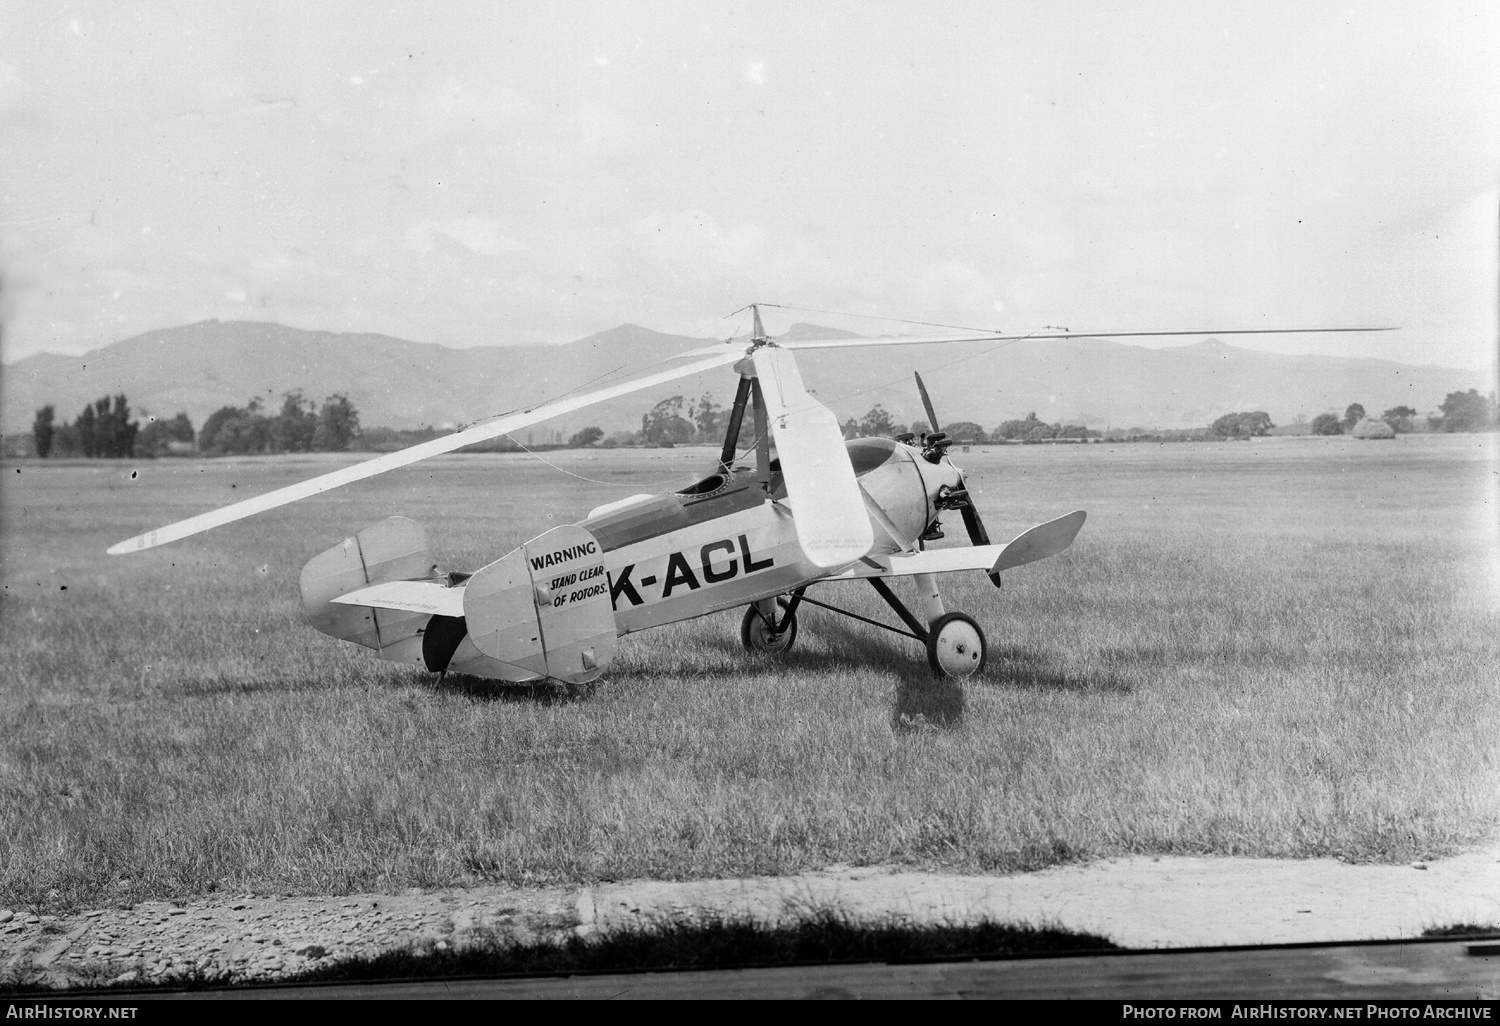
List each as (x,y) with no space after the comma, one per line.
(496,174)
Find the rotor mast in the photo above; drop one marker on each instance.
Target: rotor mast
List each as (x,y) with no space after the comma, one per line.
(749,394)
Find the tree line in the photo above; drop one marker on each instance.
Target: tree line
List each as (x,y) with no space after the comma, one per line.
(1459,411)
(300,426)
(105,429)
(675,421)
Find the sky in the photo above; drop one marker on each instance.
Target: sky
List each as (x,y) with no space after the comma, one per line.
(496,174)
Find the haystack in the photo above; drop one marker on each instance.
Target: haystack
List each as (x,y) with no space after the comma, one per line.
(1372,428)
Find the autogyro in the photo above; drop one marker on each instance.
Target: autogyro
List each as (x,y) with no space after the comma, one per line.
(810,509)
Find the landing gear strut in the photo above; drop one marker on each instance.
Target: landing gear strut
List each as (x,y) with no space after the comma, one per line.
(773,630)
(955,643)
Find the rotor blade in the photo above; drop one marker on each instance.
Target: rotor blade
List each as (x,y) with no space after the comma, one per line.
(381,464)
(838,343)
(915,340)
(832,526)
(932,420)
(833,343)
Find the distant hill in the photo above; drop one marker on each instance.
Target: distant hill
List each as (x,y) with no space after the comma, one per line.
(198,368)
(392,382)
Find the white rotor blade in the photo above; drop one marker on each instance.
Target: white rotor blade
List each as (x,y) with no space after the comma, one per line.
(832,526)
(835,343)
(841,343)
(381,464)
(918,340)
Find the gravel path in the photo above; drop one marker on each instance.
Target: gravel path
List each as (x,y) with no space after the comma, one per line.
(1137,902)
(262,939)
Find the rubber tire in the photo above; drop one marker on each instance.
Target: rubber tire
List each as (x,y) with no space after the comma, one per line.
(440,639)
(756,638)
(951,643)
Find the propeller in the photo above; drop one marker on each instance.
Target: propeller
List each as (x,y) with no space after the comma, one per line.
(935,443)
(832,525)
(935,448)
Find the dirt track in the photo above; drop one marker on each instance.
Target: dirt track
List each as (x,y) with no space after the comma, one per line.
(1136,902)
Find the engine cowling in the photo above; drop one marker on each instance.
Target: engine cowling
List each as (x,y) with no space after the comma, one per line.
(906,487)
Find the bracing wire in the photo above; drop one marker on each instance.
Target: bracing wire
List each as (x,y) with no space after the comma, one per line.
(591,480)
(744,312)
(738,324)
(726,317)
(936,367)
(544,402)
(609,373)
(926,324)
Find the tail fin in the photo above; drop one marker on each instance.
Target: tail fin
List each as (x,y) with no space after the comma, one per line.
(393,550)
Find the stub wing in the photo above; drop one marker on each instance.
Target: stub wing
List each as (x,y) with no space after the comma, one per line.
(1038,543)
(1041,541)
(936,561)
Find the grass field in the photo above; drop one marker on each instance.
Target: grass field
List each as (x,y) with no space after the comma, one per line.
(1287,647)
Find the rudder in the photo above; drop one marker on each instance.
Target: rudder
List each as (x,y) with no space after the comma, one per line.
(393,550)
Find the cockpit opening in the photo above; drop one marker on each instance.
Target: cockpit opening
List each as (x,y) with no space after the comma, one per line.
(707,486)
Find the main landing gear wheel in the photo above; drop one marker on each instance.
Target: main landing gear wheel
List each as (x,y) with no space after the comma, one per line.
(955,646)
(758,637)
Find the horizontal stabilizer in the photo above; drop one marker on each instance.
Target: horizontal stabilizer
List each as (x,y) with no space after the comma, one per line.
(1038,543)
(435,597)
(933,561)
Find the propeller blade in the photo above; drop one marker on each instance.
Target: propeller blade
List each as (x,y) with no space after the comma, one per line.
(977,534)
(832,526)
(933,426)
(391,461)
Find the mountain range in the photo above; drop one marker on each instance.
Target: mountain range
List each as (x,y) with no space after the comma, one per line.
(198,368)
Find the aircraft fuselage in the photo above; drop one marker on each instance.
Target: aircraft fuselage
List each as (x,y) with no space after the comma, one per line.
(684,554)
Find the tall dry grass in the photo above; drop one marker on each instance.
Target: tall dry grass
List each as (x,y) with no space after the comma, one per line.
(1283,648)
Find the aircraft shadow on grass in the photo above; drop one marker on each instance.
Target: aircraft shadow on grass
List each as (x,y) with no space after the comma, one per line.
(923,702)
(482,689)
(1008,666)
(1016,667)
(544,692)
